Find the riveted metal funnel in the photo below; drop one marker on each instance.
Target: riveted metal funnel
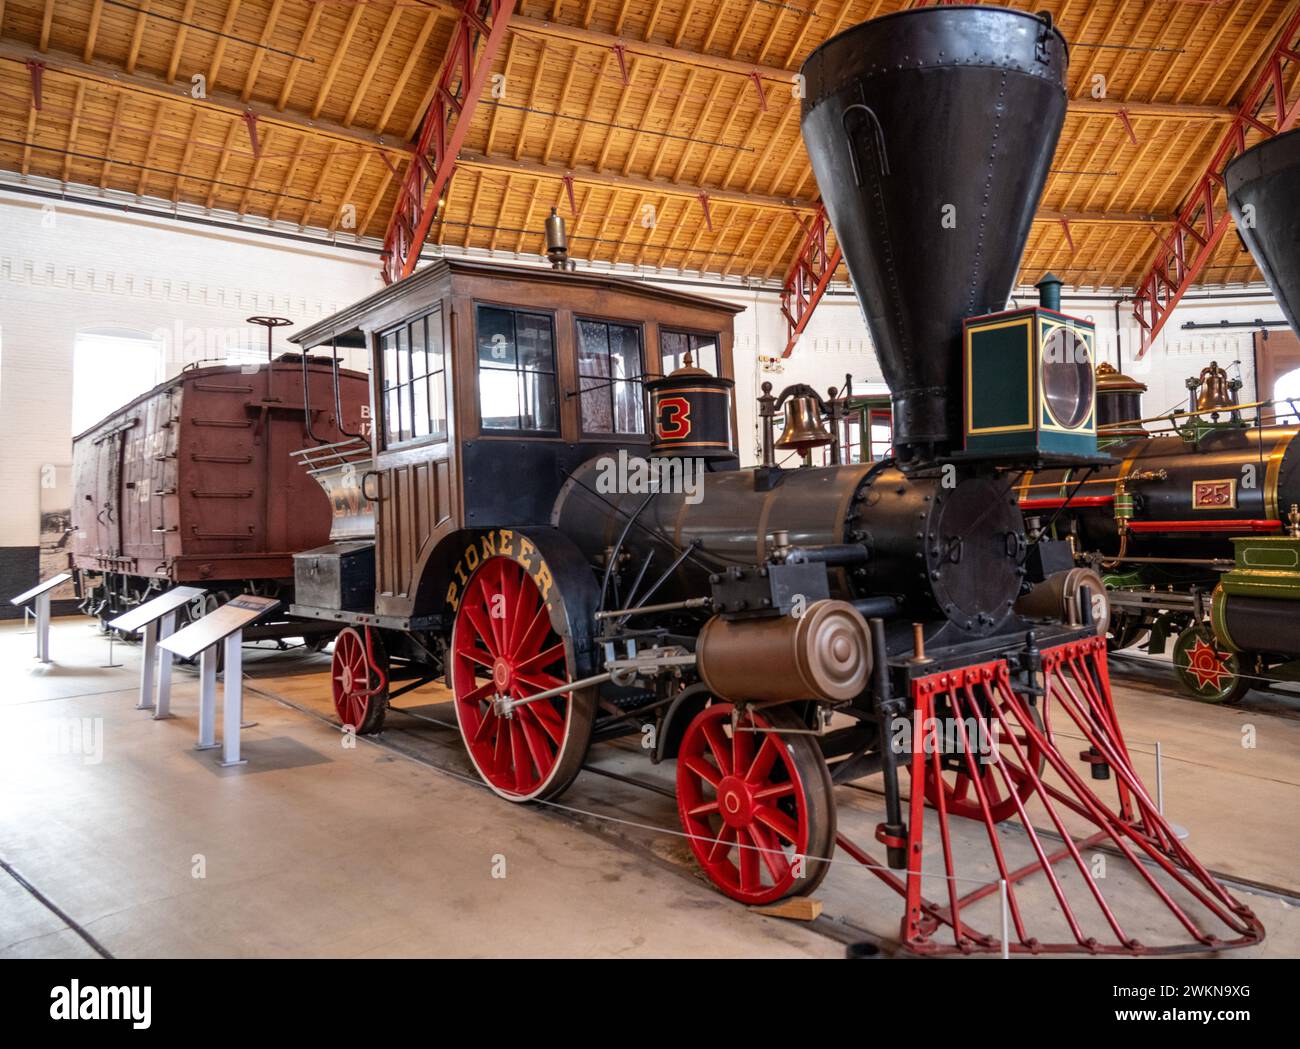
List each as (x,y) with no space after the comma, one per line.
(930,132)
(1264,195)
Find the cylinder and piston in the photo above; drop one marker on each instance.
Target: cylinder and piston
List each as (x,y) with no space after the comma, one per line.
(823,654)
(1058,597)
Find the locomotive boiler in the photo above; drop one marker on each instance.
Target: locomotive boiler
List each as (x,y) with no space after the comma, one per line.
(564,535)
(1196,526)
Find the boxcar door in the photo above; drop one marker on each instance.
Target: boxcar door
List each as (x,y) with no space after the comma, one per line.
(108,511)
(413,461)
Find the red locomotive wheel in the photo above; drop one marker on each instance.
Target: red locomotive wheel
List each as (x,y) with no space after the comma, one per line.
(757,805)
(360,680)
(504,644)
(959,794)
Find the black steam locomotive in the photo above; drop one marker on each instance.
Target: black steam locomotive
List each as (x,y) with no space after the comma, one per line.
(1196,525)
(773,630)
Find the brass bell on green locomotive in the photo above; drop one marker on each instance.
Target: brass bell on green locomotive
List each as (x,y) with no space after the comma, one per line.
(804,429)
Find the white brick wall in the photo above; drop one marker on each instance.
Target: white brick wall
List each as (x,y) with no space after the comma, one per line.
(80,268)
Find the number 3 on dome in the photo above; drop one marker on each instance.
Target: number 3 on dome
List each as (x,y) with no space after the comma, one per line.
(674,422)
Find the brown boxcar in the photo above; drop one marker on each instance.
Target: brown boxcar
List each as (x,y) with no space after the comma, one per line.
(193,482)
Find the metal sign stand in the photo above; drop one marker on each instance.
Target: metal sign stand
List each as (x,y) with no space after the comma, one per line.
(157,618)
(223,626)
(43,627)
(157,664)
(232,699)
(41,596)
(110,664)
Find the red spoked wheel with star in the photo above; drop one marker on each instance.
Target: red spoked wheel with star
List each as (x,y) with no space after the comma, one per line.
(755,802)
(504,645)
(1206,670)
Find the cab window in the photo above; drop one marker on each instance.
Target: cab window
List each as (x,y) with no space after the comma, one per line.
(414,391)
(516,370)
(609,375)
(674,345)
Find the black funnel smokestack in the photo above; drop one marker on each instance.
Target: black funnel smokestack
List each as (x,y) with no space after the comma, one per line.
(930,132)
(1264,195)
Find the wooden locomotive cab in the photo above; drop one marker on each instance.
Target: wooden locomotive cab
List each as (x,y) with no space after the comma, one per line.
(490,384)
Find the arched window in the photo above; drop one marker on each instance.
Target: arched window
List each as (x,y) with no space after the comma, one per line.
(1287,387)
(111,366)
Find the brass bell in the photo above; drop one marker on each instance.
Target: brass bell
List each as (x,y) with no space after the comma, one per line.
(1216,393)
(804,429)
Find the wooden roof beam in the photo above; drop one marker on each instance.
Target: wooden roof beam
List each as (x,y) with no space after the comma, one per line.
(137,35)
(336,63)
(259,52)
(72,131)
(417,49)
(112,139)
(182,30)
(380,51)
(1177,110)
(219,48)
(92,30)
(47,21)
(143,82)
(304,42)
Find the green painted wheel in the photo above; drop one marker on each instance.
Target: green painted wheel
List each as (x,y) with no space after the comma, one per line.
(1206,670)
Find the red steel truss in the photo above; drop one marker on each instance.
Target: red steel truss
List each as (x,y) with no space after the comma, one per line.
(806,282)
(474,43)
(1204,218)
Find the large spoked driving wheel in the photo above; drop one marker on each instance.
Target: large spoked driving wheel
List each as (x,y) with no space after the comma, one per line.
(359,671)
(756,803)
(504,646)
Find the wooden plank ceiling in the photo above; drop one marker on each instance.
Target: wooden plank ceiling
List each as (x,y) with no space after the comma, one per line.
(646,103)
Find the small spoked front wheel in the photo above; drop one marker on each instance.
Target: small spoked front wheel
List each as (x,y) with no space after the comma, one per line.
(755,798)
(504,646)
(359,670)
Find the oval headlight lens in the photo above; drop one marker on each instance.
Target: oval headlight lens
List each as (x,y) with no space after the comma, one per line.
(1067,378)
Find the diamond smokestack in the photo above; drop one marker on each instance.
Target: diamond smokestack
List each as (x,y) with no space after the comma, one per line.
(931,132)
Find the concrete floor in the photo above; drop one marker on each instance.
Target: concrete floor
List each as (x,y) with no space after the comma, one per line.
(317,849)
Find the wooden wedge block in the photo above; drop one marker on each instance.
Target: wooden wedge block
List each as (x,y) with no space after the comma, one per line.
(799,908)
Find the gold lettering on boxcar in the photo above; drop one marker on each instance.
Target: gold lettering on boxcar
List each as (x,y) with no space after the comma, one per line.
(489,544)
